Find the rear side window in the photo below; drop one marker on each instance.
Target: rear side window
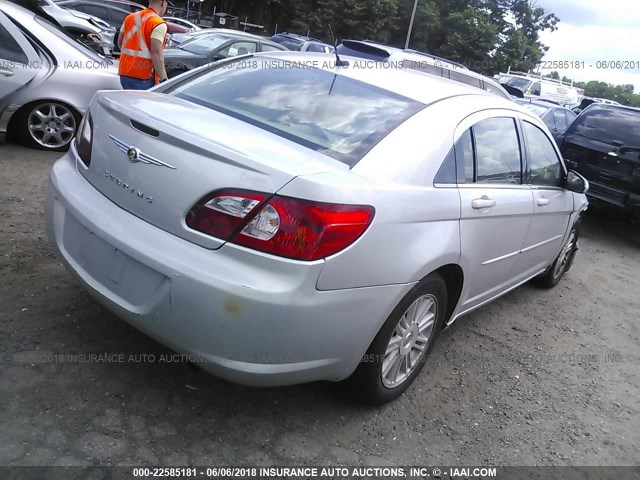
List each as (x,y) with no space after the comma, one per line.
(331,114)
(464,158)
(544,164)
(609,124)
(9,48)
(497,151)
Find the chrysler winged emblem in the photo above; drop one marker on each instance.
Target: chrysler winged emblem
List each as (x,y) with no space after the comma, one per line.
(133,153)
(136,156)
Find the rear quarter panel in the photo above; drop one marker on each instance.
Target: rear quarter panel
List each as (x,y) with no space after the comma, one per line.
(416,226)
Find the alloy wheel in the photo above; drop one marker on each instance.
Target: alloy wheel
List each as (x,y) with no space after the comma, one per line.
(409,341)
(51,125)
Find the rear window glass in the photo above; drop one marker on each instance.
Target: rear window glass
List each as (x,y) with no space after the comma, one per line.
(331,114)
(608,124)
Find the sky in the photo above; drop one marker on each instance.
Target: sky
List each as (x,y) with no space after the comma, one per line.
(595,31)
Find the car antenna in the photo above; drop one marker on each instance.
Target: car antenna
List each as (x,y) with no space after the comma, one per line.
(339,63)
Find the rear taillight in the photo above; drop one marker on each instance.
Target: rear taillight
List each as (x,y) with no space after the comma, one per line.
(222,213)
(282,226)
(84,139)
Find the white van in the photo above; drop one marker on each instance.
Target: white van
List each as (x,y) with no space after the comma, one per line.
(542,87)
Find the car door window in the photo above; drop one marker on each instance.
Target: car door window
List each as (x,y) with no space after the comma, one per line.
(535,89)
(117,17)
(497,151)
(10,51)
(549,120)
(560,119)
(94,10)
(239,48)
(544,164)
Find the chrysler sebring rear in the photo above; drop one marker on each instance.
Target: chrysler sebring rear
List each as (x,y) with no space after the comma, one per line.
(285,225)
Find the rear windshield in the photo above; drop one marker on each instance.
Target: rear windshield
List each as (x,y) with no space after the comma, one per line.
(331,114)
(608,124)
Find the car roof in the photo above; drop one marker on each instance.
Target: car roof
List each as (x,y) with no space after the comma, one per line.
(297,36)
(607,106)
(225,33)
(540,102)
(408,83)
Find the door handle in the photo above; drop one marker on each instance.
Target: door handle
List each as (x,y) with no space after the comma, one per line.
(483,202)
(541,202)
(6,73)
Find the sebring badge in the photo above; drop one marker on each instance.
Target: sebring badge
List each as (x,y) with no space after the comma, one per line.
(136,156)
(129,188)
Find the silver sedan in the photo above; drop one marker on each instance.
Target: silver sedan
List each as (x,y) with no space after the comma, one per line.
(280,219)
(47,79)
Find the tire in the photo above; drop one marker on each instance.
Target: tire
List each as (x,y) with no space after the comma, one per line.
(562,263)
(377,380)
(47,125)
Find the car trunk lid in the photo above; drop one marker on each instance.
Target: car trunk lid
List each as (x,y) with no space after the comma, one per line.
(156,155)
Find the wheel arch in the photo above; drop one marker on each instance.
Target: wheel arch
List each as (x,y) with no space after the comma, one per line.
(12,125)
(453,276)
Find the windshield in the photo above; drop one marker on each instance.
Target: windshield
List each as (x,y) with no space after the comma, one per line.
(331,114)
(203,44)
(519,83)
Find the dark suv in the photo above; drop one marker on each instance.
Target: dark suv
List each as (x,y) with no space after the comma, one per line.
(603,144)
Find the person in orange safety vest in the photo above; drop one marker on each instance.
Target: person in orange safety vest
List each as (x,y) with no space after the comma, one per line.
(141,41)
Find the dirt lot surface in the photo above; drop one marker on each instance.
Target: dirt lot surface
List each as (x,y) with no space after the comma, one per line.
(539,377)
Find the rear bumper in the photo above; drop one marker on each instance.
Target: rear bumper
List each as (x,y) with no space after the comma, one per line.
(627,204)
(244,316)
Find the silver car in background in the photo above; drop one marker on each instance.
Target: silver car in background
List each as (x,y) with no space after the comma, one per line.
(281,220)
(96,31)
(47,79)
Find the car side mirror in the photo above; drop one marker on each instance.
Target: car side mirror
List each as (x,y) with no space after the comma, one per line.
(576,182)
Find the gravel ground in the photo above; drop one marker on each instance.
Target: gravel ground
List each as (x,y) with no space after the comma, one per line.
(539,377)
